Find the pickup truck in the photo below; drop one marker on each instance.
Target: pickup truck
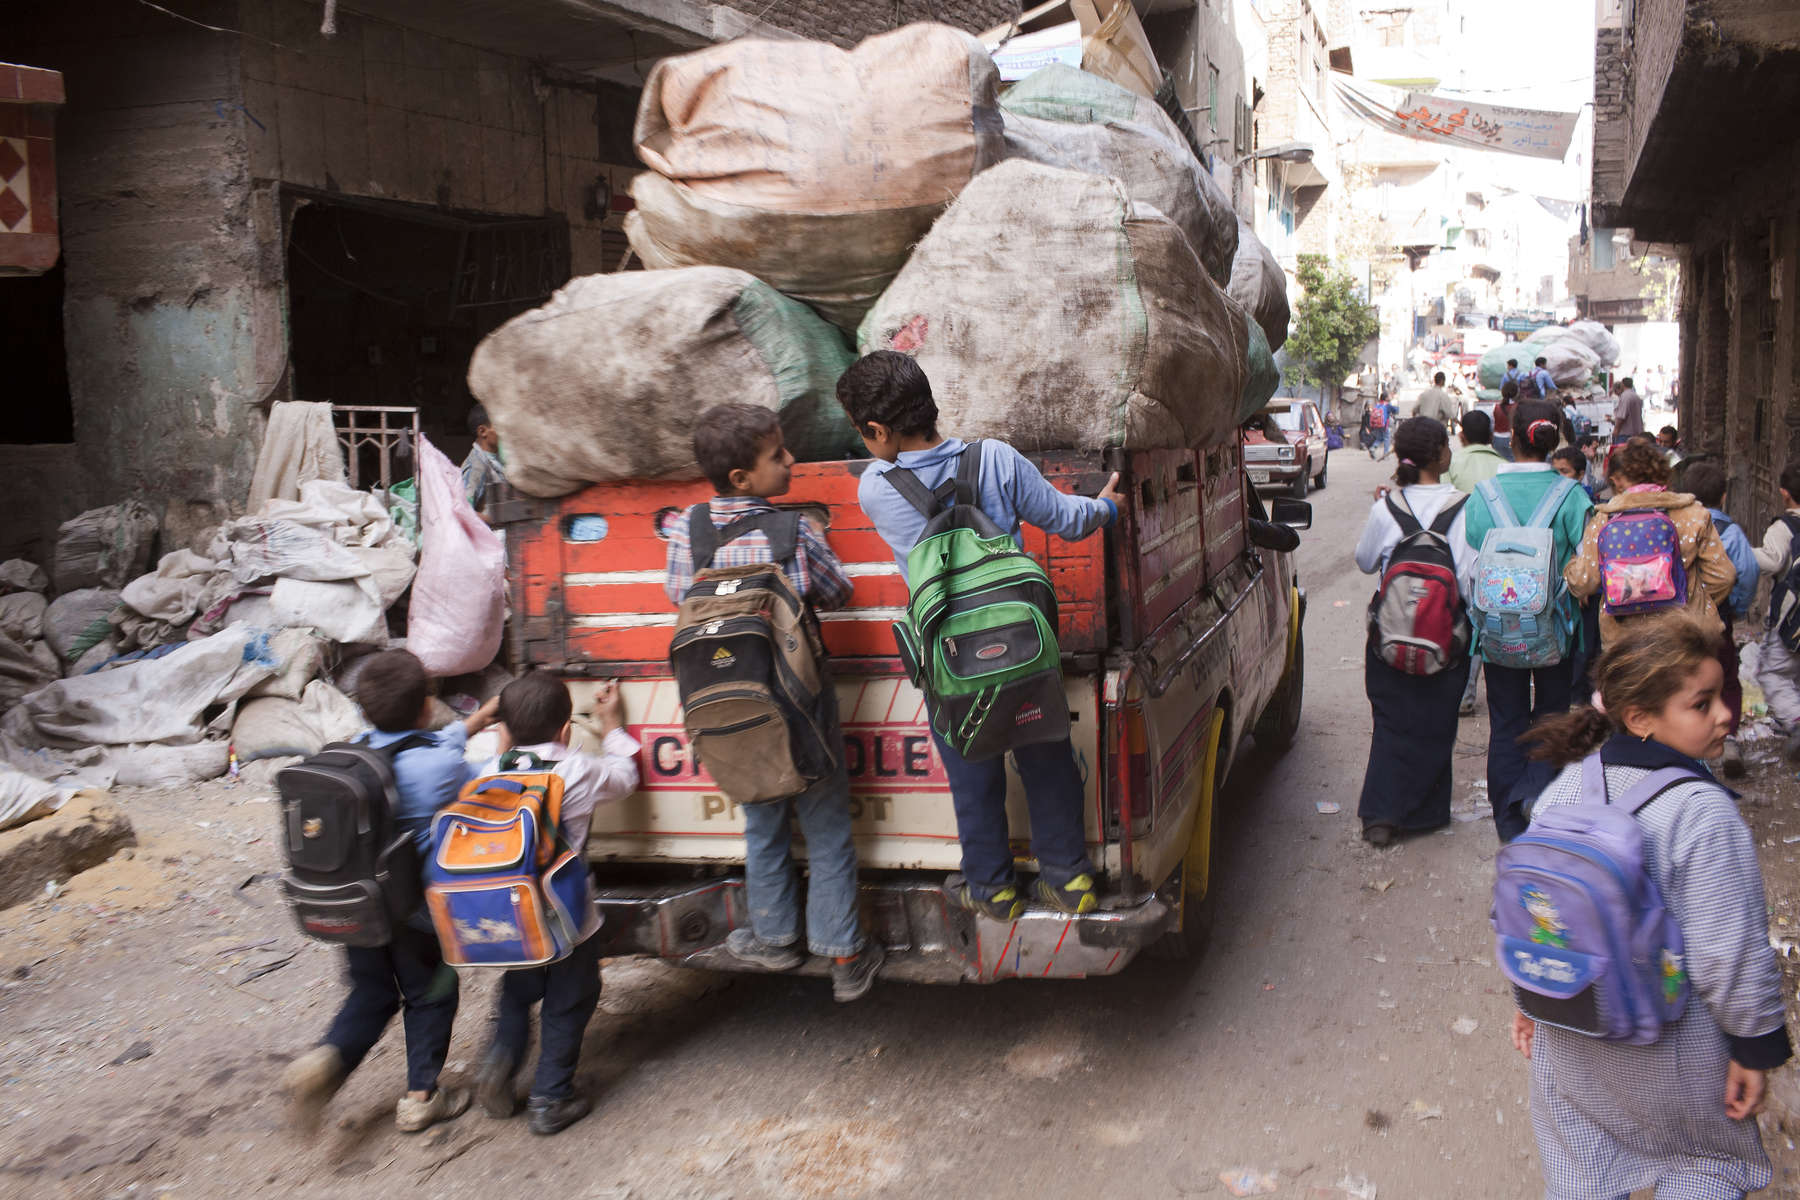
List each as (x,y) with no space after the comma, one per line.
(1178,637)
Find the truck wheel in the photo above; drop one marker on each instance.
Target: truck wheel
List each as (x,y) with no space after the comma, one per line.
(1301,483)
(1280,722)
(1199,893)
(1320,481)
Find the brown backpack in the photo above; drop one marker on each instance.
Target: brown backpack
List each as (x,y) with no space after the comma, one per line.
(750,665)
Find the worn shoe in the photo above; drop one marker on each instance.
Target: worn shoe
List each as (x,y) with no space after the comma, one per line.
(494,1085)
(1073,897)
(743,944)
(410,1116)
(309,1082)
(553,1116)
(851,978)
(1731,759)
(1004,905)
(1378,834)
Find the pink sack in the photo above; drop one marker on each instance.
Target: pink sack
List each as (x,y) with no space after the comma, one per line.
(459,595)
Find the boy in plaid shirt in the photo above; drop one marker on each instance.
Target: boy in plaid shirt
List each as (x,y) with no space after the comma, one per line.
(740,450)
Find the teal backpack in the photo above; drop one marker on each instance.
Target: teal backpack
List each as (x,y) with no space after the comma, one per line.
(1519,604)
(979,637)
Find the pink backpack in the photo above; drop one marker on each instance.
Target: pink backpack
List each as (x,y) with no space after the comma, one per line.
(1640,564)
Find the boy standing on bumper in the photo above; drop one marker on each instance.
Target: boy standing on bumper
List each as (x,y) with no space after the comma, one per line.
(889,401)
(741,451)
(535,733)
(408,974)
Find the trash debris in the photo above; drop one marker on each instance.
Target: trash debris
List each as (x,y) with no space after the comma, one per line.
(104,547)
(1247,1181)
(1355,1187)
(1418,1110)
(1379,885)
(459,595)
(137,1051)
(1328,807)
(1464,1026)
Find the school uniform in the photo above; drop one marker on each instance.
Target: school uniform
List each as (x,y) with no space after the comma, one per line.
(1407,783)
(1518,697)
(567,991)
(1610,1117)
(1743,557)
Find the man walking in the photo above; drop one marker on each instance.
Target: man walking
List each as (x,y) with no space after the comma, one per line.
(1439,405)
(1628,413)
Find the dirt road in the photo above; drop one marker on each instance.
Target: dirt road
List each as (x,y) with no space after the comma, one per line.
(1346,1035)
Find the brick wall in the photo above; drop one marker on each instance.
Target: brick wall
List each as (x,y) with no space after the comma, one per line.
(849,21)
(1611,123)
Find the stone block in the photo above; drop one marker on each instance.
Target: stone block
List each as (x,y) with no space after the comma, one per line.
(462,166)
(346,128)
(425,74)
(387,150)
(262,134)
(494,92)
(300,117)
(84,833)
(459,83)
(384,64)
(424,161)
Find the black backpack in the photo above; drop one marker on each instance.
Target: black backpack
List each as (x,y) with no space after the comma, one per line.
(353,875)
(750,665)
(1784,600)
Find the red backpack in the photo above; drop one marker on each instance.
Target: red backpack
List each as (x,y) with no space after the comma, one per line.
(1417,619)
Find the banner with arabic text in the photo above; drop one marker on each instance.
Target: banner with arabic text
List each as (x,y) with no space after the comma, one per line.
(1457,122)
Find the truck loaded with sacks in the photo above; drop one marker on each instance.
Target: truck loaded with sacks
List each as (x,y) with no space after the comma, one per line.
(1072,282)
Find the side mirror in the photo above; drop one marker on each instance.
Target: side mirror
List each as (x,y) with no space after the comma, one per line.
(1295,514)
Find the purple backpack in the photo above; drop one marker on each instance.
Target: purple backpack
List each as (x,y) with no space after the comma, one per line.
(1640,564)
(1579,926)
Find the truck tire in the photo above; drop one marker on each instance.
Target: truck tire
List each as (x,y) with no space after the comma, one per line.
(1280,722)
(1188,943)
(1303,482)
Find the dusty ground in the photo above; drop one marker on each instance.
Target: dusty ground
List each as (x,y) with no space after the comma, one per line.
(1326,1040)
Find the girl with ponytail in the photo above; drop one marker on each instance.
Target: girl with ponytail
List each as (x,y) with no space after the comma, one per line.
(1519,696)
(1679,1114)
(1406,787)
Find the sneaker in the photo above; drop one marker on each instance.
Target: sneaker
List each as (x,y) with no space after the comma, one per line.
(1731,759)
(410,1116)
(1004,905)
(744,945)
(309,1082)
(1075,896)
(851,978)
(494,1084)
(553,1116)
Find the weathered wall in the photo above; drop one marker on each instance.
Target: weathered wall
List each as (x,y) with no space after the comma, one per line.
(849,21)
(159,260)
(1611,128)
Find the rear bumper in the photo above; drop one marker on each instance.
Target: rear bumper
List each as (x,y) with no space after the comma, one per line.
(928,938)
(1277,472)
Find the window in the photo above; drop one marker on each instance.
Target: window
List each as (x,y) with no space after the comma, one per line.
(1605,256)
(31,313)
(1212,97)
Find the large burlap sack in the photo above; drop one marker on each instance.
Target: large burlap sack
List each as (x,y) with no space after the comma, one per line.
(811,167)
(1262,378)
(458,608)
(1570,362)
(604,381)
(104,547)
(1049,310)
(1063,117)
(1492,364)
(1260,285)
(1599,339)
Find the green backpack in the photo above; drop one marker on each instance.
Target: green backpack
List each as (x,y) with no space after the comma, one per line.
(979,637)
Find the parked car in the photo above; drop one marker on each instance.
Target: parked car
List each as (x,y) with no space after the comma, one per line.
(1302,461)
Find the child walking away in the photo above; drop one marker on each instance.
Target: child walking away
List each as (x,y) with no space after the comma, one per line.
(774,744)
(1418,649)
(1526,523)
(1706,480)
(1666,1099)
(406,974)
(535,732)
(1777,666)
(1649,549)
(888,399)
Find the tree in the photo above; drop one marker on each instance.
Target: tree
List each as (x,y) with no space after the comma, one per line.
(1331,327)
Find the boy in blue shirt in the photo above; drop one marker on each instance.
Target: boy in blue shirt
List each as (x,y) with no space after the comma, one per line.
(1706,480)
(408,975)
(888,400)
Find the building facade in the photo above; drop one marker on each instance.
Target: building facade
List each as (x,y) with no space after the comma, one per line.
(1692,101)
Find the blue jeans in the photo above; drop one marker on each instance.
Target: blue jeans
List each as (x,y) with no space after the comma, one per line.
(567,992)
(770,878)
(1518,699)
(406,976)
(1052,790)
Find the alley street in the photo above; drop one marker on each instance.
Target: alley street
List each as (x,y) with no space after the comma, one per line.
(1348,1025)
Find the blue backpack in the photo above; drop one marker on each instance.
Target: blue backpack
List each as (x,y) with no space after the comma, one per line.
(1518,603)
(1579,926)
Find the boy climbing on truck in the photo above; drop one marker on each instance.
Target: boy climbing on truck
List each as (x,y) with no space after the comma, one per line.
(775,746)
(888,399)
